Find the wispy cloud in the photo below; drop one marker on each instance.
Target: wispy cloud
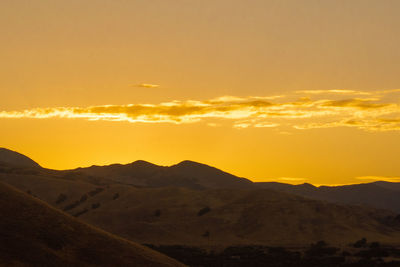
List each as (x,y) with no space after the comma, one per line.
(147,85)
(334,91)
(309,111)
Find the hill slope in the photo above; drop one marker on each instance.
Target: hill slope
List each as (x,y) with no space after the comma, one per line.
(226,217)
(222,217)
(187,174)
(153,204)
(384,195)
(32,233)
(15,158)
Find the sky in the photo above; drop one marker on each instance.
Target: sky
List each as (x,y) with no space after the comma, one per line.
(287,90)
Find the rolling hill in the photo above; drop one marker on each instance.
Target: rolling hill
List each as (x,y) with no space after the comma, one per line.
(35,234)
(222,217)
(384,195)
(186,174)
(195,204)
(14,158)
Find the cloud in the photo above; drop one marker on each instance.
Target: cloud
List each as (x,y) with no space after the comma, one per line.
(334,91)
(342,92)
(354,102)
(372,125)
(368,113)
(148,85)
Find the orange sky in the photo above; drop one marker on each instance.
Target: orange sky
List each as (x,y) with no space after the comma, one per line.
(293,91)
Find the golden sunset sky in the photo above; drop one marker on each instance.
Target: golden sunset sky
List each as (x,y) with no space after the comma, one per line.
(291,91)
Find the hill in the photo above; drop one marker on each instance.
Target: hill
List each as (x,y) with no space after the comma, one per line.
(35,234)
(384,195)
(223,217)
(16,159)
(195,204)
(186,174)
(220,217)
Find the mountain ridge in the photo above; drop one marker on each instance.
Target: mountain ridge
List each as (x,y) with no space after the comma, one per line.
(14,158)
(199,176)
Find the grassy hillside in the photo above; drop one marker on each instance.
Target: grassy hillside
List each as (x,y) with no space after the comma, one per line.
(225,217)
(194,204)
(33,233)
(221,217)
(384,195)
(16,159)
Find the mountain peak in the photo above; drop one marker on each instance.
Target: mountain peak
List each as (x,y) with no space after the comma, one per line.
(14,158)
(189,163)
(143,163)
(307,185)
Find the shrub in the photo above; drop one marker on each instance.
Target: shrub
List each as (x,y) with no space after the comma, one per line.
(76,203)
(61,198)
(95,205)
(81,212)
(96,191)
(206,234)
(157,213)
(320,249)
(362,243)
(116,195)
(83,198)
(375,245)
(203,211)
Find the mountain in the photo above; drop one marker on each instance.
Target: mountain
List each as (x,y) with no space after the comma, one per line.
(384,195)
(186,174)
(216,217)
(223,217)
(191,175)
(195,204)
(35,234)
(14,158)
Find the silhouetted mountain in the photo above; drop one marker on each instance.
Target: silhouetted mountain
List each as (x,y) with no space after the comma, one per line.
(192,175)
(221,217)
(381,194)
(35,234)
(139,173)
(187,174)
(192,203)
(14,158)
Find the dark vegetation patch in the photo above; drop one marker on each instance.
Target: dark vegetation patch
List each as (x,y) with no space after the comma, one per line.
(83,198)
(206,234)
(96,191)
(204,211)
(316,255)
(76,203)
(81,212)
(116,196)
(61,198)
(95,205)
(157,213)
